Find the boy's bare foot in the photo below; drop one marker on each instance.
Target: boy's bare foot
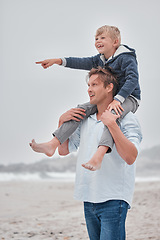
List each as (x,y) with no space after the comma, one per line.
(47,148)
(96,161)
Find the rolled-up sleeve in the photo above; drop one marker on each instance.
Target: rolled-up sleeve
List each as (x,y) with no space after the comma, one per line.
(132,130)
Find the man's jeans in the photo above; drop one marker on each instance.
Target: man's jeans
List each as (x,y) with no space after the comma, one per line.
(106,221)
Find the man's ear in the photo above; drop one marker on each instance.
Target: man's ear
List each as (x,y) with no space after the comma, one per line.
(109,87)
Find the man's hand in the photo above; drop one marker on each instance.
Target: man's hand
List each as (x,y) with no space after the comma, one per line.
(116,106)
(49,62)
(108,118)
(124,146)
(73,114)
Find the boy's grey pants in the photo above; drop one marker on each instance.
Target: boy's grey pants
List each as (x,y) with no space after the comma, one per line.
(67,128)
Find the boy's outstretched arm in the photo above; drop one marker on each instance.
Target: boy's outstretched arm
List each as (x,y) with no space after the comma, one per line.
(49,62)
(84,63)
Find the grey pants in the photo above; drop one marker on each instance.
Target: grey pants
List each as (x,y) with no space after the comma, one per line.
(67,128)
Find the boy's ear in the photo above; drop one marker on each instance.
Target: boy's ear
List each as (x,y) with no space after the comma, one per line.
(116,42)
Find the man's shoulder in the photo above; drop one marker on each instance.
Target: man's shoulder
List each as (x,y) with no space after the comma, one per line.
(130,119)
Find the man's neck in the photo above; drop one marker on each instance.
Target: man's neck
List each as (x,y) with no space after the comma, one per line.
(102,107)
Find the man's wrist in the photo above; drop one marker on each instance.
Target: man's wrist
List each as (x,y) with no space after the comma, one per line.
(112,124)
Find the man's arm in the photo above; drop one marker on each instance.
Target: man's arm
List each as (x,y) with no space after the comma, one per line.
(124,146)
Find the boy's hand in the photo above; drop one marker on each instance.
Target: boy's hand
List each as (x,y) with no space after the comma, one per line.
(116,106)
(72,114)
(49,62)
(109,118)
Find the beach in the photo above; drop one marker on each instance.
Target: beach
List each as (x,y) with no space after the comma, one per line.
(47,210)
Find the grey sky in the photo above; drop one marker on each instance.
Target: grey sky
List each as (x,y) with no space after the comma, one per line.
(32,99)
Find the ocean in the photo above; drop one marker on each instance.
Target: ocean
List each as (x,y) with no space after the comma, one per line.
(48,176)
(55,177)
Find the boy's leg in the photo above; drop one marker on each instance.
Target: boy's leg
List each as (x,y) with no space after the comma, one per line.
(67,128)
(106,142)
(129,105)
(62,133)
(47,148)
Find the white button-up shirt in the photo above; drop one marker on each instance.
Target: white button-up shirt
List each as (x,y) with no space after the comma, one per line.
(115,179)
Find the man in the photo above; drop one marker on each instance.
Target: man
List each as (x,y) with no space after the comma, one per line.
(106,193)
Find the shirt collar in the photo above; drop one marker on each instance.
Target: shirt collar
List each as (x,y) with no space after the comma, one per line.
(94,117)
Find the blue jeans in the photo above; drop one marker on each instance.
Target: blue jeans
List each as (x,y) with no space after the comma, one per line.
(106,221)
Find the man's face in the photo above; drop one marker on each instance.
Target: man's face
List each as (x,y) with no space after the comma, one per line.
(105,45)
(96,90)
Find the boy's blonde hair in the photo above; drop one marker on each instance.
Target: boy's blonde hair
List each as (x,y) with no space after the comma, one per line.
(113,32)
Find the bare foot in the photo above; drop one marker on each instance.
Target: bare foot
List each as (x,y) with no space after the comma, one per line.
(96,161)
(47,148)
(91,166)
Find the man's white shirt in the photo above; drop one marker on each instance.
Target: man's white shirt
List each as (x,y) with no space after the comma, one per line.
(116,179)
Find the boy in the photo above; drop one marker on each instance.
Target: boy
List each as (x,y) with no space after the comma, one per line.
(120,59)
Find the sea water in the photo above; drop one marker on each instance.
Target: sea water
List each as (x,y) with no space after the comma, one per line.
(47,176)
(55,176)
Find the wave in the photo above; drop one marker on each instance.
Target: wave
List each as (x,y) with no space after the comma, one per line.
(55,176)
(47,176)
(147,179)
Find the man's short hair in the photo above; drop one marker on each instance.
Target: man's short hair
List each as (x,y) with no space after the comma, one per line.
(113,32)
(106,76)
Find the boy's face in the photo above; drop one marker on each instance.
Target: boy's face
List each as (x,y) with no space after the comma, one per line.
(105,45)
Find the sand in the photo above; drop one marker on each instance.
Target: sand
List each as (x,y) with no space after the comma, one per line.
(47,210)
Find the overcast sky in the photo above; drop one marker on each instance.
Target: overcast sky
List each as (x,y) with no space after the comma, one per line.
(32,99)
